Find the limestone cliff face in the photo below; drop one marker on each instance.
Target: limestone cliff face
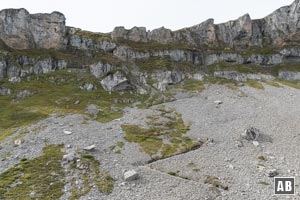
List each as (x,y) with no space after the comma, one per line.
(275,29)
(21,30)
(266,43)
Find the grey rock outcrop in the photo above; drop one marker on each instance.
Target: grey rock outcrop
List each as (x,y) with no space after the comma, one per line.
(86,43)
(24,65)
(237,76)
(3,69)
(15,79)
(136,34)
(21,30)
(116,82)
(99,69)
(25,94)
(161,35)
(4,91)
(239,30)
(259,59)
(224,57)
(289,75)
(167,78)
(126,53)
(272,30)
(291,52)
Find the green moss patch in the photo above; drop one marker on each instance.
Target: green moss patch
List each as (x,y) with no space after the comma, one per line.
(263,183)
(89,174)
(39,178)
(164,135)
(292,84)
(272,83)
(191,85)
(255,84)
(97,37)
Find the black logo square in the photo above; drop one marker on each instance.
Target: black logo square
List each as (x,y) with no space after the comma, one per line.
(284,185)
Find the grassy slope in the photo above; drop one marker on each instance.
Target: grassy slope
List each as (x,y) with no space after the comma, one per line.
(55,93)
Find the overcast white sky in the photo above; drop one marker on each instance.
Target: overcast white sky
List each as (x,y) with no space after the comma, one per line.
(104,15)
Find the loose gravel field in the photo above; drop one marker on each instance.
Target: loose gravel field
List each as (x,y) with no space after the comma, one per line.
(224,167)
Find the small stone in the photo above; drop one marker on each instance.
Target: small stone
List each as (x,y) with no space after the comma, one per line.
(255,143)
(130,175)
(231,166)
(218,102)
(18,142)
(69,157)
(251,134)
(272,172)
(67,132)
(32,194)
(261,168)
(88,87)
(122,184)
(239,144)
(76,102)
(89,148)
(14,79)
(69,146)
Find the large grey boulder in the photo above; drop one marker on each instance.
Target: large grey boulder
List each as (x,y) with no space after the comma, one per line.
(116,82)
(130,175)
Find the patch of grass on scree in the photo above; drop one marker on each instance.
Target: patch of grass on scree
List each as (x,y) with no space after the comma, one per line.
(167,126)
